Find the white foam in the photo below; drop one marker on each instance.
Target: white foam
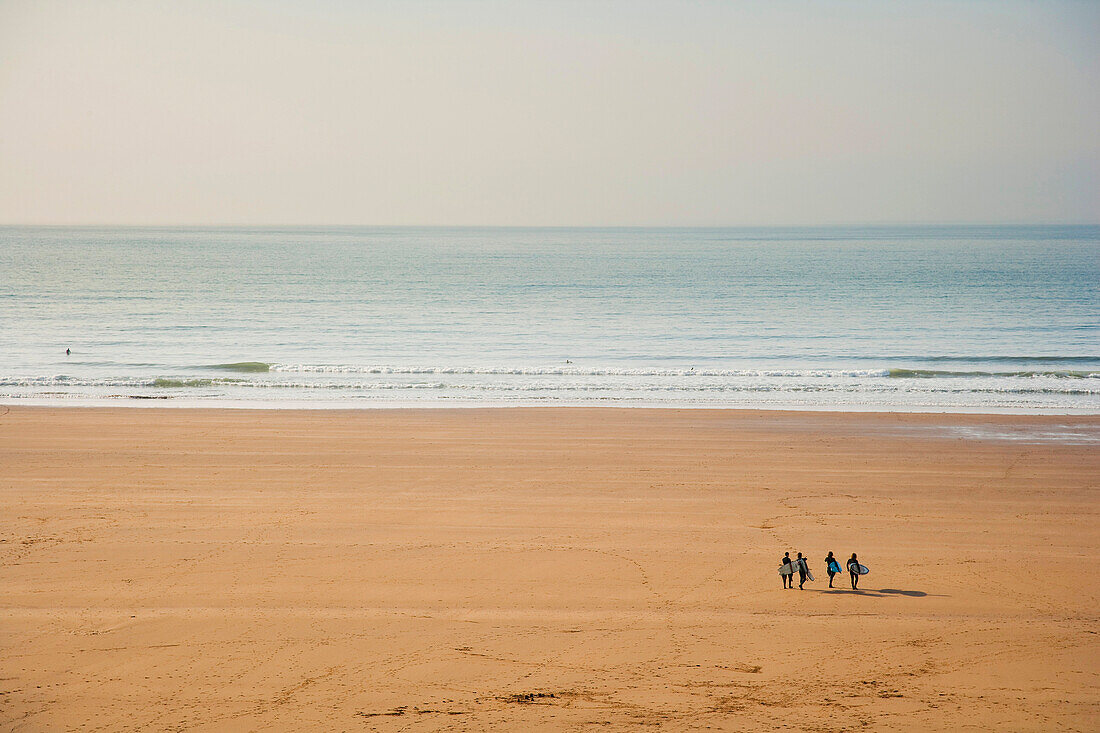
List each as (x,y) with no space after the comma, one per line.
(574,371)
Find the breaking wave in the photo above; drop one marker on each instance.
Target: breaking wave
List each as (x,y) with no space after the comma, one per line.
(474,380)
(936,373)
(575,371)
(248,367)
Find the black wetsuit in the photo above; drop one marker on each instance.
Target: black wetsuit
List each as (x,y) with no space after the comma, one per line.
(787,578)
(853,570)
(829,567)
(800,563)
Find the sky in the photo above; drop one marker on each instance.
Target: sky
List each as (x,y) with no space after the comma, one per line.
(601,112)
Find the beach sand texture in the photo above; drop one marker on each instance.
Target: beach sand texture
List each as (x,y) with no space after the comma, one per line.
(542,569)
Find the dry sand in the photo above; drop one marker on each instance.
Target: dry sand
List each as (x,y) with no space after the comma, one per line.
(550,569)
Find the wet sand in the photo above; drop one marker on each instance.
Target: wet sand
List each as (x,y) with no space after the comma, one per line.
(552,569)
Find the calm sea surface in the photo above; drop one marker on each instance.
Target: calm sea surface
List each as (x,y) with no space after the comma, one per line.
(951,319)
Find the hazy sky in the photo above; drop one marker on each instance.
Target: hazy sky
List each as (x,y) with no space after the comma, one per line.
(549,112)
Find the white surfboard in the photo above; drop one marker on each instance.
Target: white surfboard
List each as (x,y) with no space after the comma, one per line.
(806,568)
(786,569)
(863,569)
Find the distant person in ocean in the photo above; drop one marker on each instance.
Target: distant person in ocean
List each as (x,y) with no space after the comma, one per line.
(832,567)
(67,352)
(800,563)
(788,577)
(853,570)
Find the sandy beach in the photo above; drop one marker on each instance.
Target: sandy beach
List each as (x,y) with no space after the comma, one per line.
(545,569)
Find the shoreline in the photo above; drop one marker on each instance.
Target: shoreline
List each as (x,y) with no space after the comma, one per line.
(166,403)
(1033,428)
(544,568)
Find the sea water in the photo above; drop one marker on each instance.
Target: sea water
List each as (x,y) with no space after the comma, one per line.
(960,319)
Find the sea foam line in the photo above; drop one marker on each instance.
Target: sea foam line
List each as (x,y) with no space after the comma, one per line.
(568,371)
(1000,386)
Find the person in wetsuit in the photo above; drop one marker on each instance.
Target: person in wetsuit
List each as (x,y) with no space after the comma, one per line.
(788,578)
(853,570)
(829,562)
(800,564)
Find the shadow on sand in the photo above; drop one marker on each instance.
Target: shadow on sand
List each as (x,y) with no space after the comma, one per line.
(848,592)
(874,593)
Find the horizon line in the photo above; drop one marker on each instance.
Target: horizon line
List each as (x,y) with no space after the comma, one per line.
(837,225)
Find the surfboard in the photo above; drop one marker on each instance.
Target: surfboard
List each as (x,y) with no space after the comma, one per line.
(834,566)
(786,569)
(809,575)
(863,569)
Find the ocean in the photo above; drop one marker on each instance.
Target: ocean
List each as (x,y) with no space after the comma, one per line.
(952,319)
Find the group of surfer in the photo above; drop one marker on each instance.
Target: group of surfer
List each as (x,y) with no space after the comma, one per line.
(832,567)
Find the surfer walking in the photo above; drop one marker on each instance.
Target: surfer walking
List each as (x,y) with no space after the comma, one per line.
(787,572)
(803,570)
(853,570)
(831,566)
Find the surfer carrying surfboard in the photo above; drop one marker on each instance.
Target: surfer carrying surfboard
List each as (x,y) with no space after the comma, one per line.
(853,570)
(803,570)
(832,567)
(786,571)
